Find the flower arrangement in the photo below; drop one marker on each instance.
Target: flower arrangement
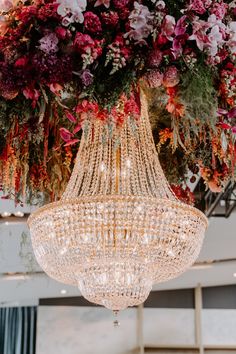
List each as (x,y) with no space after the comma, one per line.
(65,62)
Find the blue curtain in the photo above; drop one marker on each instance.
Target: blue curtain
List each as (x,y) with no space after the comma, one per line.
(18,330)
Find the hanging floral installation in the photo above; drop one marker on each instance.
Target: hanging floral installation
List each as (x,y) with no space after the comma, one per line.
(66,62)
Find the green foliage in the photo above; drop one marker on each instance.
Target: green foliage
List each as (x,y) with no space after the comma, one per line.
(199,96)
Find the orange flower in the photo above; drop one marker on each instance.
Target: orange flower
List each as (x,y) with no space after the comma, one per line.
(175,108)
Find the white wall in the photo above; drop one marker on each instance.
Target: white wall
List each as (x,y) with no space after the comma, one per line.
(85,330)
(90,330)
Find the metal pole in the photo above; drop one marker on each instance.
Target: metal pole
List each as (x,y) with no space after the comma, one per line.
(198,318)
(140,329)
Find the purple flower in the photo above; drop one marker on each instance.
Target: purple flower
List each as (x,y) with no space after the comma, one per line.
(86,77)
(48,43)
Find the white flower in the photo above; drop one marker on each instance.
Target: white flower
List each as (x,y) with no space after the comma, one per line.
(160,5)
(72,10)
(232,36)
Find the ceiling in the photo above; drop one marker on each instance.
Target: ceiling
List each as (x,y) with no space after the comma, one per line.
(16,257)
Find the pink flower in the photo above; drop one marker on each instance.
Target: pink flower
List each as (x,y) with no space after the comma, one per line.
(178,45)
(197,6)
(219,9)
(199,33)
(180,37)
(168,27)
(70,116)
(92,22)
(181,26)
(140,23)
(171,77)
(48,43)
(105,3)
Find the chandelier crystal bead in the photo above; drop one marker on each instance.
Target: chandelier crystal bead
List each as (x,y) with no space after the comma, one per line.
(118,228)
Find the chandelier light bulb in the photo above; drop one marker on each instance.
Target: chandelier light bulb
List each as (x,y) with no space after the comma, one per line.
(118,228)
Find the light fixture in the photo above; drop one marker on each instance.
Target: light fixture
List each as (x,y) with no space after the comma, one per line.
(19,214)
(118,228)
(5,214)
(63,291)
(234,275)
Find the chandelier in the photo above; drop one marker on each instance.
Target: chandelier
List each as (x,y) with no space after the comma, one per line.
(118,228)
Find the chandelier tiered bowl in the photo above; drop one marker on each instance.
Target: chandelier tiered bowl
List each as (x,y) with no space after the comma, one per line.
(118,228)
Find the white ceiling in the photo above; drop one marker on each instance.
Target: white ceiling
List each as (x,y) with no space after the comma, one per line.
(16,256)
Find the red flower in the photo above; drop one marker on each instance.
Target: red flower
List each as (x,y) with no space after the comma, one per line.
(48,11)
(161,40)
(83,42)
(125,52)
(31,94)
(65,134)
(86,107)
(124,13)
(92,22)
(102,115)
(26,13)
(70,116)
(62,33)
(21,62)
(120,4)
(110,19)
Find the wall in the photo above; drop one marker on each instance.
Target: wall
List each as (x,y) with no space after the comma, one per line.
(90,330)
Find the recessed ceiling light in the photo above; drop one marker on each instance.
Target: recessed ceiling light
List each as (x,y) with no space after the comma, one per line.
(5,214)
(234,275)
(63,291)
(19,214)
(15,276)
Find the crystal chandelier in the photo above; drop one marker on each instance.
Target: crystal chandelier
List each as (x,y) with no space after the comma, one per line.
(118,228)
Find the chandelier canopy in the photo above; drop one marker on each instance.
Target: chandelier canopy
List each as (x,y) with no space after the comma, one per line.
(118,228)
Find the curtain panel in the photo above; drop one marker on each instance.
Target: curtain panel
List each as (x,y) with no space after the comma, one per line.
(18,330)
